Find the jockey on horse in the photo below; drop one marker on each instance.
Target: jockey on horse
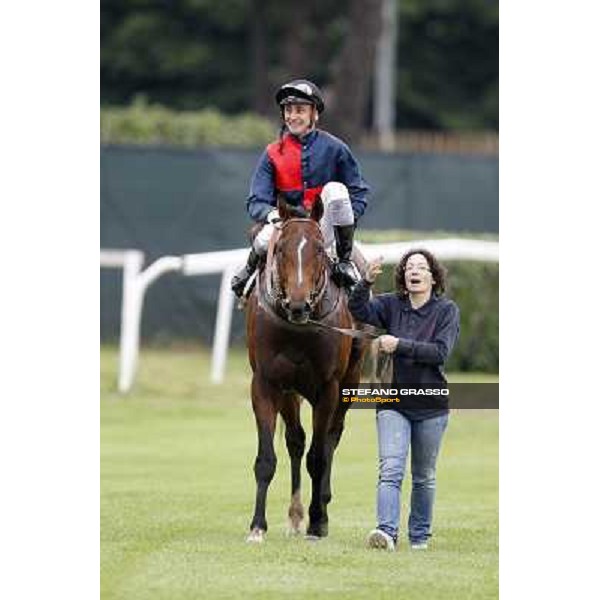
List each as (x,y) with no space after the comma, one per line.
(306,162)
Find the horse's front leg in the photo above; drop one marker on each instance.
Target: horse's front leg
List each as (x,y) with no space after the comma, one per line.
(264,404)
(333,439)
(318,458)
(351,380)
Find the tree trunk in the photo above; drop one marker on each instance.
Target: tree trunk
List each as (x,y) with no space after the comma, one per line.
(349,95)
(384,100)
(259,67)
(295,45)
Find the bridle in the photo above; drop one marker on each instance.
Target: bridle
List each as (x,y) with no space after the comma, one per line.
(276,299)
(275,293)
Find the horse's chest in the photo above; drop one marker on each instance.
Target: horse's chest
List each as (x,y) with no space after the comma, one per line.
(293,365)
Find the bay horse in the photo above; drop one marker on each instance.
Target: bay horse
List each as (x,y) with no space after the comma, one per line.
(293,354)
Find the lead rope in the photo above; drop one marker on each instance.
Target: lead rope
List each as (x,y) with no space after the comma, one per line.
(383,365)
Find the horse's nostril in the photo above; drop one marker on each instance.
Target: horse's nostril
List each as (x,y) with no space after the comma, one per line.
(299,310)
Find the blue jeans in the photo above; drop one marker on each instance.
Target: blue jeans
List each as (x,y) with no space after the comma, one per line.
(395,433)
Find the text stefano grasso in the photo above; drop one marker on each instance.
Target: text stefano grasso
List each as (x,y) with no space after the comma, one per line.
(395,391)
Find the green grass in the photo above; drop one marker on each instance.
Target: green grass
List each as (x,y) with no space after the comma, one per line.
(178,489)
(384,236)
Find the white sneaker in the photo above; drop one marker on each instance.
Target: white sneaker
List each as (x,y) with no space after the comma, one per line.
(381,540)
(419,546)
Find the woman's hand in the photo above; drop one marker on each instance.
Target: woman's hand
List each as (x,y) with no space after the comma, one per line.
(388,343)
(374,268)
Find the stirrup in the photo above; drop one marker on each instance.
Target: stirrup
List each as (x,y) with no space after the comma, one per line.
(243,299)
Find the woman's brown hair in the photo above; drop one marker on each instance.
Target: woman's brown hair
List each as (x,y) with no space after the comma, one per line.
(438,272)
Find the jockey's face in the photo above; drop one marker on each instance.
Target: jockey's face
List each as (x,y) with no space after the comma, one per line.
(299,118)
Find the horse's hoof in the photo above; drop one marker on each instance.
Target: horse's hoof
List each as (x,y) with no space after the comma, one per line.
(318,532)
(293,528)
(311,537)
(256,536)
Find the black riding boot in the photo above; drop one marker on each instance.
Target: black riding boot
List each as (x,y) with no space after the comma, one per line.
(345,272)
(240,279)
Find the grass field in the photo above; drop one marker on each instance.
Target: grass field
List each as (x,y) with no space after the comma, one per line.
(384,236)
(178,489)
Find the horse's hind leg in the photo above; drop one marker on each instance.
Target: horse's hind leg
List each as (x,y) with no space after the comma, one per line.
(295,439)
(264,403)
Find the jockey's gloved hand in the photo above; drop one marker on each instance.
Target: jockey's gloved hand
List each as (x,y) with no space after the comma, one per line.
(273,217)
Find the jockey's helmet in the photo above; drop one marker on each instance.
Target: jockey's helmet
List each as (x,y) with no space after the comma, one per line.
(300,91)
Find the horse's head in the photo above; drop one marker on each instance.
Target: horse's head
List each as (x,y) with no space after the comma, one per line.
(301,261)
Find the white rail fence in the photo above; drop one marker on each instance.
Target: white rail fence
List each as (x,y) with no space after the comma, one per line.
(136,281)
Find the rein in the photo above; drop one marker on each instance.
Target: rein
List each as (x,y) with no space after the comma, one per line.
(353,333)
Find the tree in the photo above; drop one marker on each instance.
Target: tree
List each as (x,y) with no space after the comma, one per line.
(233,54)
(353,73)
(448,64)
(384,101)
(259,67)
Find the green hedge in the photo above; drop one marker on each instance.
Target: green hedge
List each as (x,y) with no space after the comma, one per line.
(474,288)
(144,124)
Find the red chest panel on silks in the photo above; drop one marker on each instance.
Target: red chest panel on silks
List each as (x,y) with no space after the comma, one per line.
(288,170)
(288,165)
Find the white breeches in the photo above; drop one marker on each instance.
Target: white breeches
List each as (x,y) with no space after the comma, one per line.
(337,211)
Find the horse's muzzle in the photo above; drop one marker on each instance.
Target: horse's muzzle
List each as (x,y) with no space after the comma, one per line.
(298,312)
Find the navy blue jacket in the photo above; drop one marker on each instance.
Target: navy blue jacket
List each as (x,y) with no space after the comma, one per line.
(299,169)
(427,335)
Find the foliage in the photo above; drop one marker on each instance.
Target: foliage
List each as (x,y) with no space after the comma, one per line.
(385,236)
(143,124)
(196,54)
(448,64)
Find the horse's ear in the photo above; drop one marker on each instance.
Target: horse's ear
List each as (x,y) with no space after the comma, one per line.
(282,207)
(317,210)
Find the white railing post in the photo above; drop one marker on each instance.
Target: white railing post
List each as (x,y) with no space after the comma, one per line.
(131,311)
(133,302)
(135,283)
(222,327)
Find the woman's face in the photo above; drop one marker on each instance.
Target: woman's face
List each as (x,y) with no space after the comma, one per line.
(417,275)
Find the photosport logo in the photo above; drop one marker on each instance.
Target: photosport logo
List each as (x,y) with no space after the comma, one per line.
(421,396)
